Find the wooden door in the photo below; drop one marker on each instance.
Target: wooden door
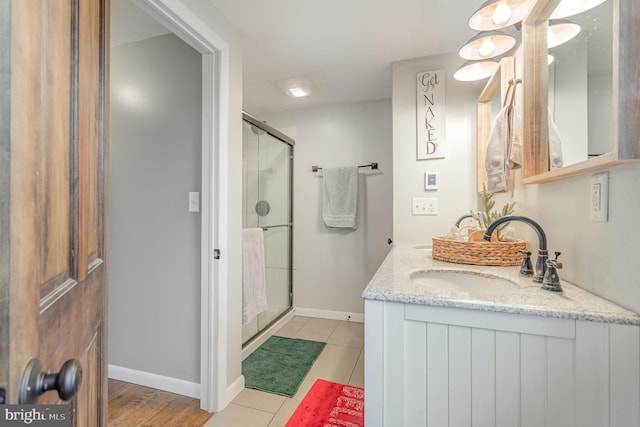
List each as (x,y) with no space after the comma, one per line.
(53,188)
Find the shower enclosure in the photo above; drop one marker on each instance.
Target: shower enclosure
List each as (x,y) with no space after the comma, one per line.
(267,181)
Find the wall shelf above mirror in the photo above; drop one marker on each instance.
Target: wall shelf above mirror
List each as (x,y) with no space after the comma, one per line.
(593,102)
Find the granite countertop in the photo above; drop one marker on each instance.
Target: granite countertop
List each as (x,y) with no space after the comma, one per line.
(392,282)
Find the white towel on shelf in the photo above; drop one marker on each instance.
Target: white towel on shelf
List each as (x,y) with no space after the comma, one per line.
(254,284)
(340,198)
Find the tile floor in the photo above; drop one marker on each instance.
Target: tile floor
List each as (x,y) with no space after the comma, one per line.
(341,361)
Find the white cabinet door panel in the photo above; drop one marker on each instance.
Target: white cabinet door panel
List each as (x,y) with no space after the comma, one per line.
(497,369)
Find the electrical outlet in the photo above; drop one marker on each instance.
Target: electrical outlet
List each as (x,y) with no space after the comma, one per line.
(424,206)
(431,206)
(599,197)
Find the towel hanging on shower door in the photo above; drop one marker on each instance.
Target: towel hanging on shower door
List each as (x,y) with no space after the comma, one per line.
(254,284)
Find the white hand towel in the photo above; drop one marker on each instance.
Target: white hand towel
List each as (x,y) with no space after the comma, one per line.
(504,150)
(514,151)
(340,199)
(495,159)
(254,284)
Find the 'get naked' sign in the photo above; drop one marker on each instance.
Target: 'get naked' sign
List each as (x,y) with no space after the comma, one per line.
(430,114)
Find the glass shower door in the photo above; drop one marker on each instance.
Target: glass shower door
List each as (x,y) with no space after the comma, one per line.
(267,203)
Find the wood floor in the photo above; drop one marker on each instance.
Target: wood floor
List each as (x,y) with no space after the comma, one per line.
(132,405)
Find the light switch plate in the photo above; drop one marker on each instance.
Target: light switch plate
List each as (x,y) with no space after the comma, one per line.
(194,201)
(599,197)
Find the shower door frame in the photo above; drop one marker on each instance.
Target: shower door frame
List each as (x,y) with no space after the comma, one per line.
(291,142)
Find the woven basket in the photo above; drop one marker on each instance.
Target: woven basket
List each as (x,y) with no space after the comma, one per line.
(478,253)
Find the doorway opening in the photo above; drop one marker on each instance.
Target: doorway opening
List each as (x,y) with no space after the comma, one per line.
(211,387)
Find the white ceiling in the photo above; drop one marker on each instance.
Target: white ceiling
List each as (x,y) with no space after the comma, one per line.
(345,46)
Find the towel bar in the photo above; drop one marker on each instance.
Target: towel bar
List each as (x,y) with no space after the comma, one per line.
(266,227)
(373,166)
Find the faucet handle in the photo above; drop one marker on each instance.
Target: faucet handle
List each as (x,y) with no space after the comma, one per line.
(526,268)
(551,281)
(554,262)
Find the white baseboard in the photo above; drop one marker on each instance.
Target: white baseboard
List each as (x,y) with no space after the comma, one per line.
(191,389)
(329,314)
(160,382)
(233,390)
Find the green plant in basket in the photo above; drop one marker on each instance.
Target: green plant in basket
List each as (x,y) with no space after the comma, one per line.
(488,211)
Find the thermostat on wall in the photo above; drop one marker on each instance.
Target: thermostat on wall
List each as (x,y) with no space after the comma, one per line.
(431,180)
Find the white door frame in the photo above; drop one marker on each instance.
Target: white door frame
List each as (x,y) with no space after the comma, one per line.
(215,147)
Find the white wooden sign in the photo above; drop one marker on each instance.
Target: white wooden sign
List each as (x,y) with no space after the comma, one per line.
(430,119)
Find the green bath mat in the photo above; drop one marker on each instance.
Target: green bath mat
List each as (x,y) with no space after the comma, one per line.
(280,364)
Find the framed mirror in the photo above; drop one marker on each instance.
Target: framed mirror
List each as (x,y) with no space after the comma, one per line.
(490,102)
(589,92)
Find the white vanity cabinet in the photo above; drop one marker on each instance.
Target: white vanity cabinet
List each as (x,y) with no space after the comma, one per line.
(442,366)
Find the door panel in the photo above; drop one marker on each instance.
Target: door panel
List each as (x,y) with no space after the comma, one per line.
(52,195)
(54,177)
(89,124)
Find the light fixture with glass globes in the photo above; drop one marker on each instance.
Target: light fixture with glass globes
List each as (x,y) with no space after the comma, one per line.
(561,31)
(497,14)
(487,44)
(573,7)
(476,70)
(491,16)
(297,87)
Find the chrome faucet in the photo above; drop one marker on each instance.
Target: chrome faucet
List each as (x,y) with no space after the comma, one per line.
(541,262)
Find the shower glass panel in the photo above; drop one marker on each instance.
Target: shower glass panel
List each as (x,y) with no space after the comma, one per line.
(267,159)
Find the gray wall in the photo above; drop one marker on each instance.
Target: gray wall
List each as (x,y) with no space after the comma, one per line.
(155,160)
(601,257)
(456,191)
(331,267)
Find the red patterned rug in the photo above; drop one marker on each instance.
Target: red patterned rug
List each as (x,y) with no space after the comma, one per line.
(330,404)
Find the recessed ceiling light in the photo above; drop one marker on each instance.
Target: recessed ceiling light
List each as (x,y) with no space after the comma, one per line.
(297,87)
(299,92)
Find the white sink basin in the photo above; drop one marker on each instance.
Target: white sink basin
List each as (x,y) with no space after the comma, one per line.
(463,282)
